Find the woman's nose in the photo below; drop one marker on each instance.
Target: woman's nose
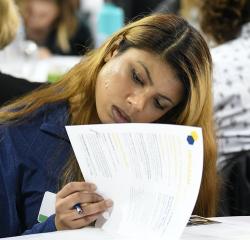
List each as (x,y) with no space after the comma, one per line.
(137,102)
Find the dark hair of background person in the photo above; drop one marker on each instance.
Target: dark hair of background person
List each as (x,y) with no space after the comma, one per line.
(136,9)
(168,6)
(222,20)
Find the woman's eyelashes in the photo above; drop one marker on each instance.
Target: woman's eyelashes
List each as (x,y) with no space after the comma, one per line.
(158,105)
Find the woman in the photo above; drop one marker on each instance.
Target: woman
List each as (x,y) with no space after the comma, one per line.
(8,28)
(11,87)
(55,26)
(157,69)
(227,23)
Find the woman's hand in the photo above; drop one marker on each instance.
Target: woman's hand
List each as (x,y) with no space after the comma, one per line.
(83,193)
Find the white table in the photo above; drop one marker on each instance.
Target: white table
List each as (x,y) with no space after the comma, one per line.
(36,70)
(231,228)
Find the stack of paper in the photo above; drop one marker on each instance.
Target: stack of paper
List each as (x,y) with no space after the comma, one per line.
(152,173)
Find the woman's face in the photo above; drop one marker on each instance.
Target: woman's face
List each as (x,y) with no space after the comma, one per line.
(136,86)
(40,14)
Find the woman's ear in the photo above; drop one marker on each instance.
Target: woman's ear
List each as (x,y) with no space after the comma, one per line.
(114,51)
(111,54)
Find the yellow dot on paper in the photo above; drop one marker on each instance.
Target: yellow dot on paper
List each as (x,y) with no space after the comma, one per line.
(194,135)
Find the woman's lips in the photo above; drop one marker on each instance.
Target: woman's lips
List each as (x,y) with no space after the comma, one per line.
(119,116)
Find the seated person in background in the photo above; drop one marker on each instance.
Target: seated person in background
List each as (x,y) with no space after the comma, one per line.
(55,26)
(189,10)
(157,69)
(168,6)
(227,23)
(11,87)
(9,22)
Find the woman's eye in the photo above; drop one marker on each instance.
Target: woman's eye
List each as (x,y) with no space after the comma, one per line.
(136,79)
(158,104)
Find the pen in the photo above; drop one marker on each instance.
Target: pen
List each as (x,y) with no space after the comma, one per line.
(78,208)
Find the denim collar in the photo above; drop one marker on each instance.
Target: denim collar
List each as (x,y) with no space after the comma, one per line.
(56,117)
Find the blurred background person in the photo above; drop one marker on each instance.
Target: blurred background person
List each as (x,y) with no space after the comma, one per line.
(55,26)
(9,22)
(227,24)
(11,87)
(137,9)
(171,6)
(189,10)
(223,21)
(132,10)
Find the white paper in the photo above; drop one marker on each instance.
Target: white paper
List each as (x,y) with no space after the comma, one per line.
(48,205)
(150,171)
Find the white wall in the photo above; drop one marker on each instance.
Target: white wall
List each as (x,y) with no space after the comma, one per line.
(92,6)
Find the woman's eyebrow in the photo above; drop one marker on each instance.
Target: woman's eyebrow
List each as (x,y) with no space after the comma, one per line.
(147,71)
(151,82)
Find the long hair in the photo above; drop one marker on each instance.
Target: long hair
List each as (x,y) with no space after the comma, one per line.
(222,20)
(187,7)
(179,45)
(9,22)
(65,25)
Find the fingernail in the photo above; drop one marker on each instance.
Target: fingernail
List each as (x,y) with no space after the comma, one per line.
(93,187)
(109,203)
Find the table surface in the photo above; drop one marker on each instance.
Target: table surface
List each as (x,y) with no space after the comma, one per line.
(230,228)
(37,70)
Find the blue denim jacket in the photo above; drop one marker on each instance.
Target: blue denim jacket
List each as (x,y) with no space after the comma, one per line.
(32,155)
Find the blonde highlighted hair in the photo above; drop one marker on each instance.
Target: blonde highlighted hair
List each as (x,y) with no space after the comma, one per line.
(179,45)
(9,22)
(67,24)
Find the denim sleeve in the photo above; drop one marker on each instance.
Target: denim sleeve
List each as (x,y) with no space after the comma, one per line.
(47,226)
